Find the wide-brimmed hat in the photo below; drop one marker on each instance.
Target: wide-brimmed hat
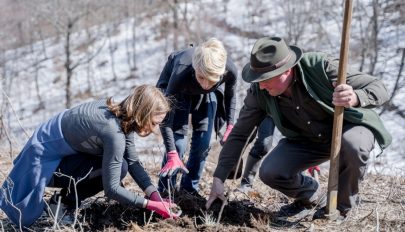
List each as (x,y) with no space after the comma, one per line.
(270,57)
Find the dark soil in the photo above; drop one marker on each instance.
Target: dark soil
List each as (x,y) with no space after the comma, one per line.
(381,209)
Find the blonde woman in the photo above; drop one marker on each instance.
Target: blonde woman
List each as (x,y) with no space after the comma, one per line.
(202,82)
(93,140)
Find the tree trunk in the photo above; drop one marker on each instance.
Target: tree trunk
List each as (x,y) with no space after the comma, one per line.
(397,85)
(112,47)
(175,25)
(375,30)
(68,67)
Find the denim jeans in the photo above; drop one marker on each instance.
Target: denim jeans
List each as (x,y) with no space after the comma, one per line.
(261,147)
(264,138)
(200,145)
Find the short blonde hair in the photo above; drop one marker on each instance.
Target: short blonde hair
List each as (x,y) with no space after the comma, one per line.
(136,111)
(209,59)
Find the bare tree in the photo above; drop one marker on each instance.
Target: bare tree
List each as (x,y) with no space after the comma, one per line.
(174,7)
(399,84)
(112,48)
(374,36)
(66,17)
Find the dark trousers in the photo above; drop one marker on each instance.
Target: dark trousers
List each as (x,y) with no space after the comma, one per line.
(264,141)
(76,167)
(282,168)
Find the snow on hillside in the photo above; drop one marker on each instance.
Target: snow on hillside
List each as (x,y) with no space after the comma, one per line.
(95,80)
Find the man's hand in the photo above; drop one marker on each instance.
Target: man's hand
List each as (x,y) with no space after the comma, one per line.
(173,164)
(344,95)
(217,191)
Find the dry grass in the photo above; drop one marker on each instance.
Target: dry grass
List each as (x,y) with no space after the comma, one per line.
(382,208)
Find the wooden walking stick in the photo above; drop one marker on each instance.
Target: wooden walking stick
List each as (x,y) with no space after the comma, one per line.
(333,182)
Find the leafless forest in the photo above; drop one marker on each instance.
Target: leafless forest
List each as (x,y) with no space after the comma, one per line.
(82,34)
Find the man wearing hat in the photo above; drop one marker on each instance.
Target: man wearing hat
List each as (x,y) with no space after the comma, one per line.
(299,92)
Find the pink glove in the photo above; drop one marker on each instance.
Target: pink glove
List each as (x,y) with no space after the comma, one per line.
(155,196)
(161,208)
(173,164)
(312,170)
(226,134)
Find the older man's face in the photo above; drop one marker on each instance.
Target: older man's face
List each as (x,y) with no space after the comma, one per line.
(278,84)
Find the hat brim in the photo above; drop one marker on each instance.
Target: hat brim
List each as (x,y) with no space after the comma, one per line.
(250,76)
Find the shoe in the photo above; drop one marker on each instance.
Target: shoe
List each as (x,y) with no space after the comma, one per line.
(64,214)
(300,209)
(244,186)
(321,214)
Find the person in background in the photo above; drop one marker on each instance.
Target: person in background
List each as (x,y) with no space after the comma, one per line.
(201,81)
(299,92)
(93,142)
(261,146)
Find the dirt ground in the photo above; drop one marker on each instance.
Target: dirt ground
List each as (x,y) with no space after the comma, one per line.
(382,208)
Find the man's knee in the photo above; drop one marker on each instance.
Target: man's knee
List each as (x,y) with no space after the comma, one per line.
(272,176)
(357,143)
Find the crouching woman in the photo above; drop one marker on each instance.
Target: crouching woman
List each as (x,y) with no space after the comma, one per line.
(93,142)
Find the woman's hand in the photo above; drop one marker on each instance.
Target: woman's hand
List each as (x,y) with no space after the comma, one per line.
(173,164)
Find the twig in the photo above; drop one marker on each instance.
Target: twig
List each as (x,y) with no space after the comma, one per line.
(243,151)
(8,137)
(2,227)
(222,208)
(236,171)
(170,197)
(55,224)
(366,216)
(105,211)
(7,192)
(50,212)
(16,116)
(75,183)
(377,218)
(296,222)
(150,218)
(391,188)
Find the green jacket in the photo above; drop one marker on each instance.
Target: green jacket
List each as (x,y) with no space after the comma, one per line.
(318,84)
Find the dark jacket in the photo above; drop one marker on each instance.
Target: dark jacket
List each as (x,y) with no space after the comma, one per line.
(178,81)
(317,73)
(319,87)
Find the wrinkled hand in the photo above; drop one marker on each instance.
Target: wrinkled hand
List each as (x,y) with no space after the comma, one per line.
(162,208)
(345,96)
(226,134)
(217,191)
(155,196)
(173,164)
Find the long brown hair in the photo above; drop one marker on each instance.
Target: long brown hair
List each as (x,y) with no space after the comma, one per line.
(136,111)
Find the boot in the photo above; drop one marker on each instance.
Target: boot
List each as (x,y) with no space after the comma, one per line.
(251,168)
